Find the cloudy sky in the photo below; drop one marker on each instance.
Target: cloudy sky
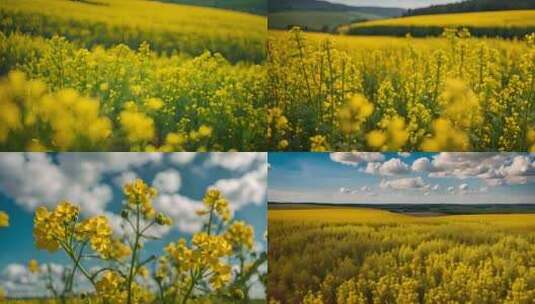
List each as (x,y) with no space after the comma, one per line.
(360,177)
(394,3)
(94,181)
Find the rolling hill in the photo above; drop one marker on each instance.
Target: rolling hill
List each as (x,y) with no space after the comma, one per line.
(316,15)
(473,6)
(251,6)
(308,5)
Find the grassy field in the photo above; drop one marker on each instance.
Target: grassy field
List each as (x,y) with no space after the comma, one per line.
(339,92)
(376,256)
(152,76)
(501,23)
(316,20)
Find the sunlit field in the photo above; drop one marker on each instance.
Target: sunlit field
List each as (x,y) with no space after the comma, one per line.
(354,255)
(130,76)
(167,27)
(377,93)
(502,23)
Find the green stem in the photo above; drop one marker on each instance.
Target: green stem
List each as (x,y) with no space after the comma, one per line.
(133,260)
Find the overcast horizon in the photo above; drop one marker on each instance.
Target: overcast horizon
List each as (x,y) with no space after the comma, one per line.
(407,4)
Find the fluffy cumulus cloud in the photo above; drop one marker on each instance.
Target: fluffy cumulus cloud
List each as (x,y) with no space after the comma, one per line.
(88,179)
(181,209)
(422,164)
(495,169)
(355,158)
(249,188)
(393,166)
(124,178)
(18,281)
(182,158)
(167,181)
(362,191)
(34,179)
(403,183)
(464,169)
(235,160)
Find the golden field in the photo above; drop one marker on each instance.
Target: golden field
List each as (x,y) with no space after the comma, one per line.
(377,93)
(519,18)
(167,27)
(143,76)
(354,255)
(508,24)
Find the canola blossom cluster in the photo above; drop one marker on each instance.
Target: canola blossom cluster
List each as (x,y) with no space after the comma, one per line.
(185,267)
(58,96)
(201,268)
(371,256)
(455,93)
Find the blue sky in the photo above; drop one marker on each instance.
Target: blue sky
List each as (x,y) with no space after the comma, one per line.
(359,177)
(94,181)
(394,3)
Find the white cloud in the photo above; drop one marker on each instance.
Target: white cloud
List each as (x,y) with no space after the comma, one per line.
(124,178)
(435,187)
(240,161)
(168,181)
(403,183)
(182,158)
(394,166)
(344,190)
(249,188)
(354,158)
(463,187)
(495,169)
(17,280)
(33,179)
(404,154)
(182,210)
(422,164)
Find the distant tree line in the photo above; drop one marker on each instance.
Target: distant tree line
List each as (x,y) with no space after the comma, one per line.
(473,6)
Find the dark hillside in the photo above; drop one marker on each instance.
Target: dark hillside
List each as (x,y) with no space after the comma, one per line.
(473,6)
(258,7)
(311,5)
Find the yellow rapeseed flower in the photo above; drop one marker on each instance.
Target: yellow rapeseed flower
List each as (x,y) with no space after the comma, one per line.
(4,219)
(140,194)
(33,266)
(354,113)
(214,200)
(240,234)
(319,143)
(446,138)
(52,227)
(137,126)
